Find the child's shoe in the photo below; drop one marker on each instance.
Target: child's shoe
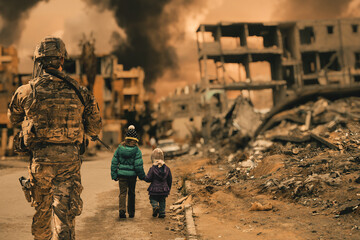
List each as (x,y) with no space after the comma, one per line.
(122,214)
(161,215)
(155,211)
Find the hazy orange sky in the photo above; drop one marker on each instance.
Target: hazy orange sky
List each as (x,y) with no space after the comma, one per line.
(69,19)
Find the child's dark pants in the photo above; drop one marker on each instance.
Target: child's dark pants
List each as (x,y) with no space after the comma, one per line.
(127,185)
(158,201)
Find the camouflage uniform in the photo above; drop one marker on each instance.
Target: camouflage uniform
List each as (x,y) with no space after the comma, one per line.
(54,121)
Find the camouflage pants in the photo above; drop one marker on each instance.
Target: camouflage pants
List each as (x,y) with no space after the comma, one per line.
(56,192)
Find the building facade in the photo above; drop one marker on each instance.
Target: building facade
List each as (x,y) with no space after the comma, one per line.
(180,114)
(300,55)
(120,93)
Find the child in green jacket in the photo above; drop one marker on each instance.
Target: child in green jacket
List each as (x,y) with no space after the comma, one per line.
(126,165)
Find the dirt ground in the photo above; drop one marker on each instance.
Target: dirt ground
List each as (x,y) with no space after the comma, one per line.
(221,207)
(99,219)
(105,224)
(223,211)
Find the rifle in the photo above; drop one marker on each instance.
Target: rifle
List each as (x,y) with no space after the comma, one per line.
(96,138)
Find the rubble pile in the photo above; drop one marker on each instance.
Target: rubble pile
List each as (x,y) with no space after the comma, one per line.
(318,144)
(235,129)
(308,154)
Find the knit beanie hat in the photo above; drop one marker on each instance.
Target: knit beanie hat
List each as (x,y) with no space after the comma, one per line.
(131,134)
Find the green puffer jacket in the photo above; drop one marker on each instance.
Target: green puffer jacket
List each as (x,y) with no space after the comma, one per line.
(127,161)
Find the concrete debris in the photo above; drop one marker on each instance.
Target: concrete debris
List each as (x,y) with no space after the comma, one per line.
(182,212)
(175,207)
(256,206)
(305,154)
(349,209)
(237,126)
(247,164)
(181,200)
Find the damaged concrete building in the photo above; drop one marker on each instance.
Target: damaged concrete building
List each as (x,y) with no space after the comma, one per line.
(180,114)
(120,93)
(300,56)
(9,81)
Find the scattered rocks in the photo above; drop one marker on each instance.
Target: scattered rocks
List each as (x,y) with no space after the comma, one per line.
(256,206)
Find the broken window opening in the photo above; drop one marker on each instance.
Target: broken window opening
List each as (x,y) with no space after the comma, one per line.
(255,42)
(183,107)
(127,82)
(216,102)
(329,61)
(307,35)
(98,65)
(231,72)
(354,28)
(309,62)
(270,37)
(288,39)
(212,71)
(330,29)
(206,37)
(230,42)
(260,70)
(313,81)
(127,99)
(357,60)
(289,76)
(357,78)
(268,34)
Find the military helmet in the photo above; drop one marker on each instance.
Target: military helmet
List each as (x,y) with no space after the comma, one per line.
(52,47)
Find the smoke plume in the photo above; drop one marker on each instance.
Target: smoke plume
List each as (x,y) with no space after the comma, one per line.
(311,9)
(152,29)
(13,14)
(149,28)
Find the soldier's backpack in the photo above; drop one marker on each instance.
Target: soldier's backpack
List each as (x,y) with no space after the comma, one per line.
(55,113)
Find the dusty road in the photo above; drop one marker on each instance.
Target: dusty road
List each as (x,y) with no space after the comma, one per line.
(99,218)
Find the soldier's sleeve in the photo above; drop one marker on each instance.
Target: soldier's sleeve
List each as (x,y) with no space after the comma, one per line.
(16,112)
(92,118)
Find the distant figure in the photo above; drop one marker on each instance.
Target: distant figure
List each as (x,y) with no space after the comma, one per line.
(161,180)
(153,143)
(126,165)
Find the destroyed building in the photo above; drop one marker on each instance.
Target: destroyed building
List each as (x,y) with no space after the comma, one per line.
(180,114)
(9,81)
(300,55)
(120,93)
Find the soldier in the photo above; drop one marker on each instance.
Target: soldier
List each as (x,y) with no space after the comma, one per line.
(55,114)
